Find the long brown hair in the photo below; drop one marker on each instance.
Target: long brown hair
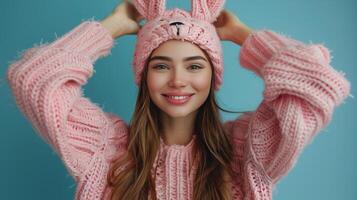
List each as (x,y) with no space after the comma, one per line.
(130,176)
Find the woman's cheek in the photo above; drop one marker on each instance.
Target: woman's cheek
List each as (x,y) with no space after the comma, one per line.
(156,81)
(202,82)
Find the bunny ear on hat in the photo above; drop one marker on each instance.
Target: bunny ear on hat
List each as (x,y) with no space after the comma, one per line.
(207,10)
(150,9)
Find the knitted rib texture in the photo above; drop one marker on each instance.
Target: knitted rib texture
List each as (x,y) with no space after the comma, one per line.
(301,92)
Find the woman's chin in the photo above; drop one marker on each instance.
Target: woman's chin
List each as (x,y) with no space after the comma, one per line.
(173,114)
(177,112)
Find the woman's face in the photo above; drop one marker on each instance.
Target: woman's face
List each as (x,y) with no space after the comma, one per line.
(180,69)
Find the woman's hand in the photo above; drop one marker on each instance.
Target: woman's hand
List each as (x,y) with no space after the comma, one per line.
(123,20)
(230,28)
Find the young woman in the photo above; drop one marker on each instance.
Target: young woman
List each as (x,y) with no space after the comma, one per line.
(176,146)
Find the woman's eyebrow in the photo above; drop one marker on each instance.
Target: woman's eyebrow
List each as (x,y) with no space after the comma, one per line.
(185,59)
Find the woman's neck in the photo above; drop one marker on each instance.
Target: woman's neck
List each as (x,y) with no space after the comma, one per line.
(177,130)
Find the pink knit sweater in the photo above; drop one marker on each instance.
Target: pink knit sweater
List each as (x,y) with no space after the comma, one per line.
(301,92)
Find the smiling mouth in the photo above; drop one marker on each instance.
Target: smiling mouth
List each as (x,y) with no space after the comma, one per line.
(177,96)
(177,100)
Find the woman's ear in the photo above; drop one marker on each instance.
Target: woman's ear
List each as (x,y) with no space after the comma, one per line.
(207,10)
(150,9)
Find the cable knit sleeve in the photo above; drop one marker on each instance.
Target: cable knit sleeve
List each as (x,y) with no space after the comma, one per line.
(46,82)
(300,94)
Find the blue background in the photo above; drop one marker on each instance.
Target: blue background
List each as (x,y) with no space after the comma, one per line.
(29,169)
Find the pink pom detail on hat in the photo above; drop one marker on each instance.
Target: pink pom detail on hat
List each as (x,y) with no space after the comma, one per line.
(163,25)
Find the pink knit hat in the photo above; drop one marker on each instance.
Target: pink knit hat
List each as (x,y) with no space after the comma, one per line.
(162,25)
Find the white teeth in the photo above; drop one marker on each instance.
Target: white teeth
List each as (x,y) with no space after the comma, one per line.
(178,97)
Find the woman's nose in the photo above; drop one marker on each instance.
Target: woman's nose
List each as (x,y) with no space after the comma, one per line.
(177,79)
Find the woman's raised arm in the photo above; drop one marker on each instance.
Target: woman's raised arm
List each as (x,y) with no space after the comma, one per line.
(301,92)
(47,85)
(124,20)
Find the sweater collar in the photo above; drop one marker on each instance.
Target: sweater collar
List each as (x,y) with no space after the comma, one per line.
(180,147)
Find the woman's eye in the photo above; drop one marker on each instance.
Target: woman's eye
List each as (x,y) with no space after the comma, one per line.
(159,66)
(195,67)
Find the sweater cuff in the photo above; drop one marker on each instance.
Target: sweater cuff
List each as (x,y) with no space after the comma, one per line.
(89,38)
(260,46)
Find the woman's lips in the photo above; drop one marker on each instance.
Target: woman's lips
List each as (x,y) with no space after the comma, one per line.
(177,100)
